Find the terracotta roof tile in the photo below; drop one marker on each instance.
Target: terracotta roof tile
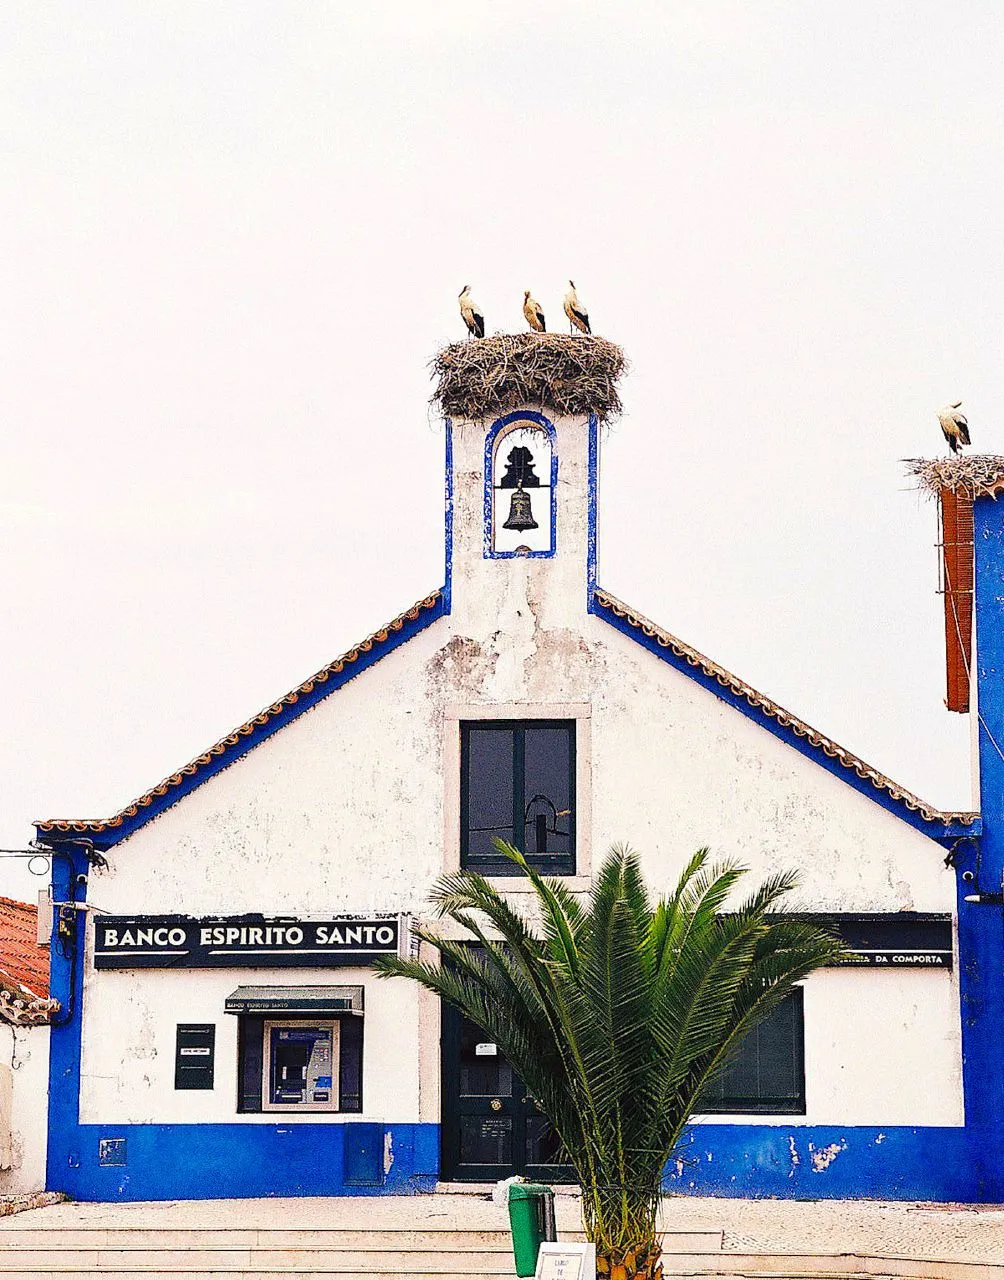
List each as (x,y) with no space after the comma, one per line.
(24,965)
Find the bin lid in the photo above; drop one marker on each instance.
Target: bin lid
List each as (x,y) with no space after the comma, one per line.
(528,1190)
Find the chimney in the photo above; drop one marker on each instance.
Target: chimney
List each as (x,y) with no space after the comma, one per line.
(956,509)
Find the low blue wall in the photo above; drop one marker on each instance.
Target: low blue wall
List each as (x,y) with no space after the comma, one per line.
(222,1161)
(189,1162)
(813,1162)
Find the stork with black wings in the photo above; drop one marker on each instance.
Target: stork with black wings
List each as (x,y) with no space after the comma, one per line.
(471,314)
(954,426)
(576,312)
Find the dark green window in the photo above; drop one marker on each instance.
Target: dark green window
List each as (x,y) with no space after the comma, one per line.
(517,782)
(768,1076)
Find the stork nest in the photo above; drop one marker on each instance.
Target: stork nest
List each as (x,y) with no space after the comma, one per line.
(979,475)
(484,377)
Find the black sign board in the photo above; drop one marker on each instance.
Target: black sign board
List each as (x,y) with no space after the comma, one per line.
(893,940)
(179,942)
(195,1055)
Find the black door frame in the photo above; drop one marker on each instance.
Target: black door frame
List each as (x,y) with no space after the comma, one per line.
(519,1107)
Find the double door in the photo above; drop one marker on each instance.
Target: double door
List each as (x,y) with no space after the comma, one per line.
(491,1126)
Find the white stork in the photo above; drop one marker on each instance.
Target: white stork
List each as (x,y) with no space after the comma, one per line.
(471,314)
(954,426)
(575,311)
(534,313)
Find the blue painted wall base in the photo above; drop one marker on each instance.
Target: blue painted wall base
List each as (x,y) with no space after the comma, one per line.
(815,1162)
(236,1161)
(201,1162)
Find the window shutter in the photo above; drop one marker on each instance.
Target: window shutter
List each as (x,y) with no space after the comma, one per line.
(350,1070)
(250,1034)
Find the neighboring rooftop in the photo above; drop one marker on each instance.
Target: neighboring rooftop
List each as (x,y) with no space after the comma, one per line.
(482,378)
(24,965)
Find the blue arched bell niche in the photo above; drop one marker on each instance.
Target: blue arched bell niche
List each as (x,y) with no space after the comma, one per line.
(521,480)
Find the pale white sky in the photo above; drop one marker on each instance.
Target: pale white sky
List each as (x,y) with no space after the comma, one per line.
(232,235)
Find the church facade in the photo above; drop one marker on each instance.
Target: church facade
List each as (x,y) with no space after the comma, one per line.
(222,1032)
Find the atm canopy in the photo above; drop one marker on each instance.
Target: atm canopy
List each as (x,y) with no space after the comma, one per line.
(308,1000)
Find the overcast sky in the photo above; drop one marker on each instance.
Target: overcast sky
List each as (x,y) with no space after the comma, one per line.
(232,236)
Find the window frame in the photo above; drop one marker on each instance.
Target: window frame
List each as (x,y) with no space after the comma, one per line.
(253,1063)
(792,1106)
(497,865)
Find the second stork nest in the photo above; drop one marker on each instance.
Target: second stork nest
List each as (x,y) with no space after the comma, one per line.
(484,377)
(977,474)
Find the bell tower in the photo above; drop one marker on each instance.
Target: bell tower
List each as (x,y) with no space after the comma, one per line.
(523,417)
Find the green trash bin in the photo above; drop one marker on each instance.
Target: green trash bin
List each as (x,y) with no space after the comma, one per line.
(531,1218)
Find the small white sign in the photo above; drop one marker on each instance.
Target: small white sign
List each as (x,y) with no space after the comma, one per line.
(194,1053)
(566,1262)
(486,1050)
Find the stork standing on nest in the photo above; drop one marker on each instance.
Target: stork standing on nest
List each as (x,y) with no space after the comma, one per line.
(471,314)
(576,312)
(534,313)
(954,426)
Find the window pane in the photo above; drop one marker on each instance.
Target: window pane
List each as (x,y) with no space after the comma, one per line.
(547,789)
(776,1053)
(482,1074)
(489,796)
(766,1076)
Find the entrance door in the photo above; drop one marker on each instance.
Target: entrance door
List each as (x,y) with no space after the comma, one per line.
(491,1126)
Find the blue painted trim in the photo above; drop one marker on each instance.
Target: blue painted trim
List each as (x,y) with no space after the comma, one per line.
(66,984)
(981,925)
(336,680)
(214,1161)
(217,1161)
(941,832)
(826,1162)
(499,427)
(448,575)
(592,507)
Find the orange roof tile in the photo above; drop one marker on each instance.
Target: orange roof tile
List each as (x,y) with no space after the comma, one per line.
(24,965)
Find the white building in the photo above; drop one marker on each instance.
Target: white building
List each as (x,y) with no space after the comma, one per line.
(223,1034)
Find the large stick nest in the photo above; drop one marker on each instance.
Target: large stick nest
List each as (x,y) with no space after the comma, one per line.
(484,377)
(978,475)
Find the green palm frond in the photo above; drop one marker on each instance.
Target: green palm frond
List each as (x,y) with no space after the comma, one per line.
(619,1012)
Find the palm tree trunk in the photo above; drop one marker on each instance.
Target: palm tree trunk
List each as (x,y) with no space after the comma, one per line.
(640,1262)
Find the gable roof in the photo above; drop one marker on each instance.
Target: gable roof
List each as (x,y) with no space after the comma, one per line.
(938,823)
(247,736)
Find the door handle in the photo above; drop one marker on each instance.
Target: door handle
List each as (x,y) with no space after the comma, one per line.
(496,1104)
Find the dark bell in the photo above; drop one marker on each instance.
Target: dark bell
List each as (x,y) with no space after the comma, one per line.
(520,513)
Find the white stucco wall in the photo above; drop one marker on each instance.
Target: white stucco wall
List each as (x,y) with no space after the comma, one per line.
(127,1067)
(353,808)
(24,1051)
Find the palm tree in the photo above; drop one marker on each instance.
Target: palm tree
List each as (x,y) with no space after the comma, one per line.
(619,1014)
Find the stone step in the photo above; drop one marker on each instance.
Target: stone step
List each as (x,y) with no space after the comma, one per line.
(296,1237)
(291,1261)
(674,1274)
(467,1263)
(74,1273)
